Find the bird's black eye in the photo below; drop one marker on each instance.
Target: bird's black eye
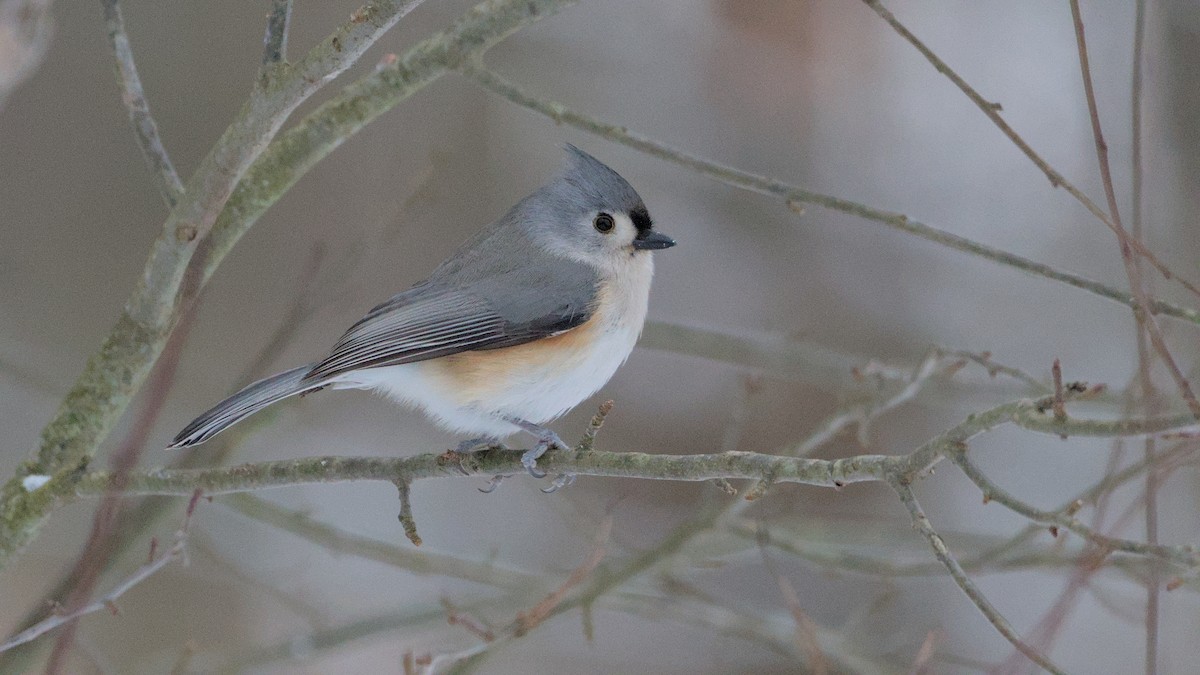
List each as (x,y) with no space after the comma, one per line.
(604,223)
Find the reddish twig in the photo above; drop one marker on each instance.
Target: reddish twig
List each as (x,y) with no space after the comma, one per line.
(992,110)
(527,621)
(806,629)
(100,547)
(1144,318)
(108,602)
(1149,394)
(920,665)
(1060,407)
(473,624)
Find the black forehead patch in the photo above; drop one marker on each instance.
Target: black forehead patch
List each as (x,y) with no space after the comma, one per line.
(641,219)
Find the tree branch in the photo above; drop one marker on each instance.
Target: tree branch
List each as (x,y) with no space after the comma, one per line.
(1185,556)
(921,523)
(152,566)
(322,131)
(340,542)
(107,602)
(1031,415)
(134,99)
(26,27)
(792,194)
(275,38)
(1145,321)
(114,373)
(992,111)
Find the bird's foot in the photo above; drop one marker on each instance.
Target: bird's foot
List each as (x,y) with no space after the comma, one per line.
(561,481)
(547,440)
(494,483)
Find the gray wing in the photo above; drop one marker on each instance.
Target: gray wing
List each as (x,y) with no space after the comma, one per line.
(503,308)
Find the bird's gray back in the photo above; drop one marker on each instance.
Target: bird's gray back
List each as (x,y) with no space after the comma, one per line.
(498,290)
(520,280)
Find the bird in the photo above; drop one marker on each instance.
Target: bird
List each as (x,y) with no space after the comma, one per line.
(526,320)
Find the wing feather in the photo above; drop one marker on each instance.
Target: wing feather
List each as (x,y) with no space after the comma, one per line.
(427,322)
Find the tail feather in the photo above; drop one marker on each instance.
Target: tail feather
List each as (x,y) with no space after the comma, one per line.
(242,405)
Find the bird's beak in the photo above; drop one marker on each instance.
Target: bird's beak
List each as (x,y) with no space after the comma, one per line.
(649,240)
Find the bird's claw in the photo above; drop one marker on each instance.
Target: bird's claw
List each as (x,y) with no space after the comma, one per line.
(494,483)
(529,460)
(561,481)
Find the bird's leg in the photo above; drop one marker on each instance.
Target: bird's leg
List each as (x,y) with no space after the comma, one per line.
(546,439)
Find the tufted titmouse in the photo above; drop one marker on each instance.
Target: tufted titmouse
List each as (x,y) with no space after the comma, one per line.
(526,320)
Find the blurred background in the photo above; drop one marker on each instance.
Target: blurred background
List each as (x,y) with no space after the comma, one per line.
(818,93)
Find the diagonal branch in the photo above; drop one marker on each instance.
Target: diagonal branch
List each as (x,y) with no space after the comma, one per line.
(526,621)
(134,99)
(1145,320)
(101,546)
(106,603)
(992,111)
(26,27)
(1140,303)
(1064,518)
(322,131)
(156,562)
(921,523)
(118,369)
(794,195)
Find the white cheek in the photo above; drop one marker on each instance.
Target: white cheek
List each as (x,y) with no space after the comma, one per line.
(624,233)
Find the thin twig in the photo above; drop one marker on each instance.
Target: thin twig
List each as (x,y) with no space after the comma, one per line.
(341,542)
(789,193)
(985,359)
(863,413)
(98,549)
(1141,302)
(134,99)
(409,524)
(942,552)
(527,621)
(275,38)
(118,369)
(457,617)
(806,628)
(992,110)
(1149,394)
(27,26)
(588,441)
(1068,521)
(920,664)
(827,473)
(1060,407)
(108,602)
(536,615)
